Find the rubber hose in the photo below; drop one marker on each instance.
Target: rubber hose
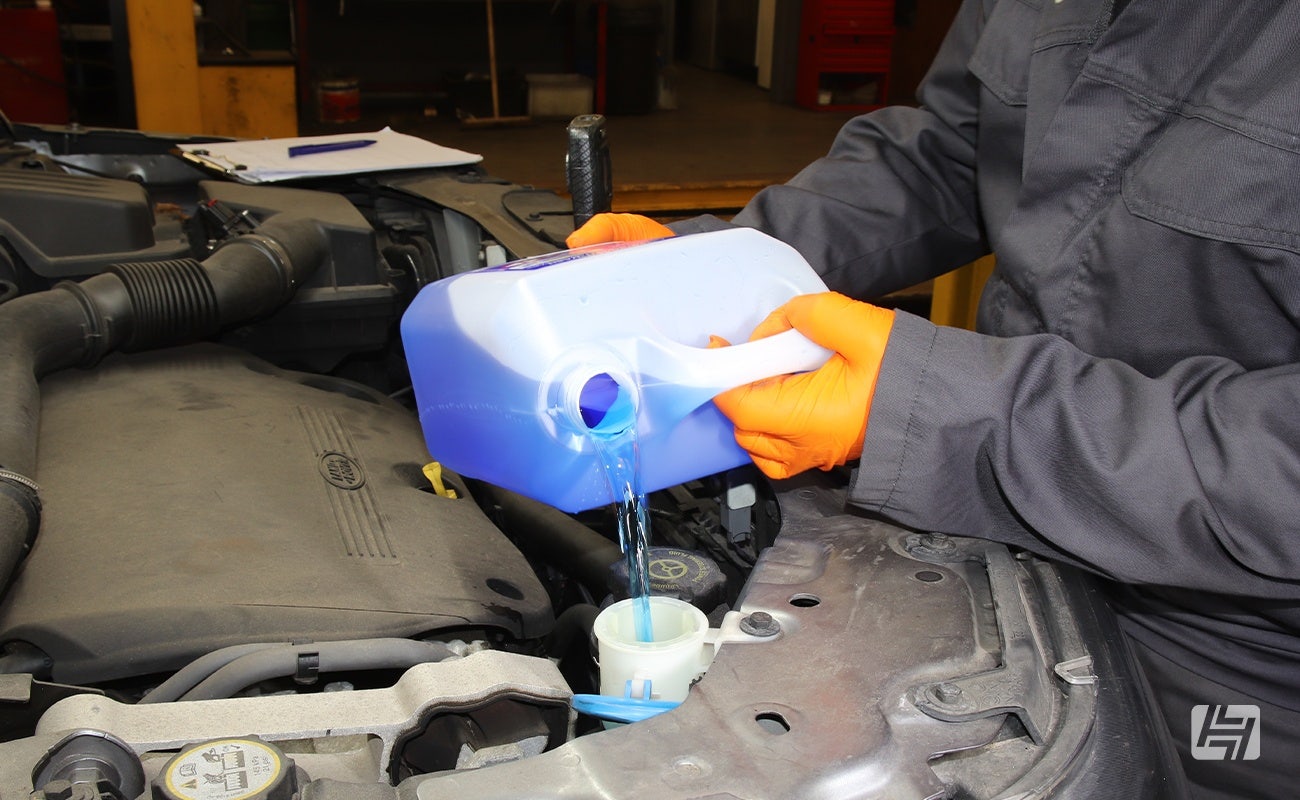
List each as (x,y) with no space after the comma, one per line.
(346,656)
(576,621)
(22,657)
(553,536)
(164,304)
(189,676)
(173,301)
(19,520)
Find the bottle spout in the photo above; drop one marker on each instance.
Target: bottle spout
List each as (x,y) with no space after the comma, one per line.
(597,394)
(605,406)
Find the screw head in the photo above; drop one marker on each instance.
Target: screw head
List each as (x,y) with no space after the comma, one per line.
(760,623)
(947,692)
(938,541)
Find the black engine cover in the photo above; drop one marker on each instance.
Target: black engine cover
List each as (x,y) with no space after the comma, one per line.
(199,497)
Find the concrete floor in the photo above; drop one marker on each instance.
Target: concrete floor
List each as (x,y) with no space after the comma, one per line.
(725,139)
(724,131)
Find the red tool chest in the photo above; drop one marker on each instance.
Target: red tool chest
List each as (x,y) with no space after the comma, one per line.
(32,87)
(845,51)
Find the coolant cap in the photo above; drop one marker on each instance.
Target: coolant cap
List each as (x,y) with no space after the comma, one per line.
(228,769)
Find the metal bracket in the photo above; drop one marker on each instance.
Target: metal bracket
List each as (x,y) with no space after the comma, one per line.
(1076,671)
(15,688)
(1021,686)
(737,510)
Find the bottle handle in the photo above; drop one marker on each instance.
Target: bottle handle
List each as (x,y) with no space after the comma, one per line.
(784,353)
(600,396)
(701,373)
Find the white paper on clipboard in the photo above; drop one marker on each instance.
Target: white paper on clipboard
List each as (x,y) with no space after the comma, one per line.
(268,160)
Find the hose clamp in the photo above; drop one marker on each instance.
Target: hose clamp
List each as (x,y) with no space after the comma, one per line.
(95,331)
(28,494)
(278,256)
(21,480)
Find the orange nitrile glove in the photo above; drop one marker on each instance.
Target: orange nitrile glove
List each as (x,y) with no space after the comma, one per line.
(791,423)
(617,228)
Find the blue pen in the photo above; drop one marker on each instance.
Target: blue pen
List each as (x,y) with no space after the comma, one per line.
(328,147)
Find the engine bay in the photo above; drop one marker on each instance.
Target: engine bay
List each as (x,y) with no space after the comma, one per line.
(245,503)
(232,569)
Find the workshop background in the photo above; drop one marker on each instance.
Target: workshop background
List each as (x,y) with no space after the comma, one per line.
(707,101)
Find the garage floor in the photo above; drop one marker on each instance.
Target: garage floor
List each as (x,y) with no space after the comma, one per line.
(725,134)
(724,141)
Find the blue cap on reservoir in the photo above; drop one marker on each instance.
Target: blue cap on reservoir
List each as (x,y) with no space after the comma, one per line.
(515,367)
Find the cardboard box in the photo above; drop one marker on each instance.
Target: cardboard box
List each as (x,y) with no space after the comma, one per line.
(561,96)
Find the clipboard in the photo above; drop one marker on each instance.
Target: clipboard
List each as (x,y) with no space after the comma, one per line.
(269,161)
(213,162)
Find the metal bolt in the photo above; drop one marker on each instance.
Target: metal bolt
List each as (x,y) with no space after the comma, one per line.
(760,623)
(931,546)
(948,692)
(937,541)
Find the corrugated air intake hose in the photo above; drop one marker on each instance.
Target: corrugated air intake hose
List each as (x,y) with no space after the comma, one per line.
(130,307)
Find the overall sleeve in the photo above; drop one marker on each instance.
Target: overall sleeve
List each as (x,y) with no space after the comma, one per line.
(1190,478)
(893,202)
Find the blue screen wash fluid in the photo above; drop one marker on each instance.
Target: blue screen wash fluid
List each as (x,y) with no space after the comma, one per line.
(619,454)
(517,368)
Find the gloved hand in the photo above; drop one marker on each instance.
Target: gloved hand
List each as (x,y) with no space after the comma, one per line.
(617,228)
(791,423)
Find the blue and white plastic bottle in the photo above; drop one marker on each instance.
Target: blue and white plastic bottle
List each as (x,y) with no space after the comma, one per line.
(515,367)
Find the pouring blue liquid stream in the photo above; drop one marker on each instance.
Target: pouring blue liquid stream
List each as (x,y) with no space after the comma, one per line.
(609,413)
(610,417)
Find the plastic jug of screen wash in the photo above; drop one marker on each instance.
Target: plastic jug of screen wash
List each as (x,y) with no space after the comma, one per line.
(515,368)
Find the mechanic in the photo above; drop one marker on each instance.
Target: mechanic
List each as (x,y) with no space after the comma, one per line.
(1129,405)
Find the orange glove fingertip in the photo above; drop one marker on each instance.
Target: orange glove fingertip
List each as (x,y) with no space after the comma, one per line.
(609,227)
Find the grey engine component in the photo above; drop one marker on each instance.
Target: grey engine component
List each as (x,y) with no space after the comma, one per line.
(234,502)
(193,498)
